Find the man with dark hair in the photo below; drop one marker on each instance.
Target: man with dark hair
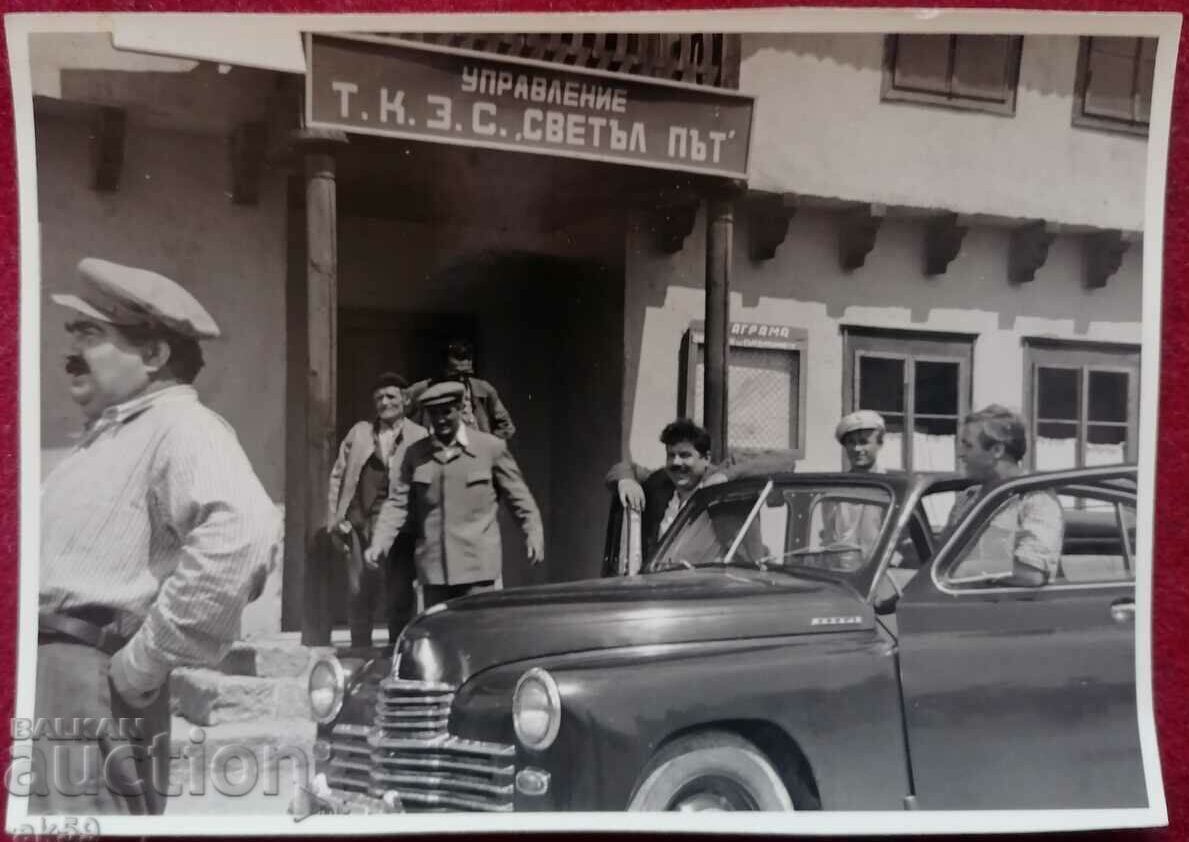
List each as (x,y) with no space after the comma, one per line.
(358,487)
(481,406)
(155,534)
(447,490)
(659,495)
(1026,535)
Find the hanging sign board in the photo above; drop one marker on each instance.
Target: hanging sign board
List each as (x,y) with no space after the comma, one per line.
(411,90)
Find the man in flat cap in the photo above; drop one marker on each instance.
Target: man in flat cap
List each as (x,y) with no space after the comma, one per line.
(861,435)
(448,486)
(481,406)
(155,534)
(358,487)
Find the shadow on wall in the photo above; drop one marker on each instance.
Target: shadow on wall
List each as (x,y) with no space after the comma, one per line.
(1048,62)
(806,268)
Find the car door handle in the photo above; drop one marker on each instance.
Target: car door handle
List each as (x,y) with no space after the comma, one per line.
(1123,611)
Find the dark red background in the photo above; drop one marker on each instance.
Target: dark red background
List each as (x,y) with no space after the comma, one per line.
(1171,644)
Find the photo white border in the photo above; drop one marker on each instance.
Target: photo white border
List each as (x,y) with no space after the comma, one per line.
(271,39)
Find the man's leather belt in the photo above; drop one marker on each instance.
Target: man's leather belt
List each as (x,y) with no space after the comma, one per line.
(63,627)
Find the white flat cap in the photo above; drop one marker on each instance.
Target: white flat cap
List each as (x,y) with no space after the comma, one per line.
(864,419)
(123,295)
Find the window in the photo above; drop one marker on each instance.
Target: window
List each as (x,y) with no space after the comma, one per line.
(1114,83)
(920,384)
(1083,407)
(833,528)
(1056,536)
(960,71)
(765,387)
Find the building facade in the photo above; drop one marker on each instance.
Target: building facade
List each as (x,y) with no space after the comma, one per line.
(928,224)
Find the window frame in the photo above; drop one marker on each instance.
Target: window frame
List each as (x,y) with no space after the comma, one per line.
(912,347)
(1097,121)
(693,344)
(1084,357)
(955,552)
(1007,108)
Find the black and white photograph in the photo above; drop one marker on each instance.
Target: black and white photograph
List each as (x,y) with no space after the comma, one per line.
(573,422)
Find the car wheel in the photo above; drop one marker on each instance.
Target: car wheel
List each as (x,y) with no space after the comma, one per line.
(711,770)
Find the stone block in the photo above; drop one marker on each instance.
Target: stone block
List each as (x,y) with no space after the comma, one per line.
(209,697)
(266,660)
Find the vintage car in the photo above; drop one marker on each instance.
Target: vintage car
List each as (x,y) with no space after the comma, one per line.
(758,664)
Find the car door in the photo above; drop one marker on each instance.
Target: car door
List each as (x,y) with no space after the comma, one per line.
(1025,697)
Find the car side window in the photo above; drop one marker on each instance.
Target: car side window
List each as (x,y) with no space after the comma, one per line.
(1050,538)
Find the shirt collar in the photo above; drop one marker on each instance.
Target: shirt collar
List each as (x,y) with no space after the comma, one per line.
(129,409)
(460,440)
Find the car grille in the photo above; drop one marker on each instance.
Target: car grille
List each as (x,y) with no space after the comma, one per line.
(411,752)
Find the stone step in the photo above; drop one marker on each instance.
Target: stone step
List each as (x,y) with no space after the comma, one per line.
(266,659)
(211,697)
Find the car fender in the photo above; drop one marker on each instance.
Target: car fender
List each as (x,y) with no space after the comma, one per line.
(834,697)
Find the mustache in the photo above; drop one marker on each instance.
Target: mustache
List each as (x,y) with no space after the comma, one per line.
(75,364)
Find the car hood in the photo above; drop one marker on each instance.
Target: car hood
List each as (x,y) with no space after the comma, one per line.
(481,631)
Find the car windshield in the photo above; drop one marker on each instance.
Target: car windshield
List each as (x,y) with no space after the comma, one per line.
(834,528)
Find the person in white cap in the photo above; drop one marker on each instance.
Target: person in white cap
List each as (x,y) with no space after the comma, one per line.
(155,532)
(861,435)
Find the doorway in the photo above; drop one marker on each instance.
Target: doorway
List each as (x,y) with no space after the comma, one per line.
(548,335)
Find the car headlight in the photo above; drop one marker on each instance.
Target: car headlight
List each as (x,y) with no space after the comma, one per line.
(327,687)
(536,709)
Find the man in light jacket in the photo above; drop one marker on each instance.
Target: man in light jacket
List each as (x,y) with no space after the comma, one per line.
(447,489)
(358,487)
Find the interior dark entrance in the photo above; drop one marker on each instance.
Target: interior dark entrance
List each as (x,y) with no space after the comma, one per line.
(548,334)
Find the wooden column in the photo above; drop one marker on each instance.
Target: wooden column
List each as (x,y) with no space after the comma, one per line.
(313,343)
(720,233)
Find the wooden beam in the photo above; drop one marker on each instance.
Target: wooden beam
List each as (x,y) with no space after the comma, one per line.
(768,217)
(1103,253)
(248,144)
(317,382)
(943,241)
(858,228)
(720,235)
(1028,251)
(672,223)
(107,148)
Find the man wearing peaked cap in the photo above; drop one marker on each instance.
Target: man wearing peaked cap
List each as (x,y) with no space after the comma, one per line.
(861,435)
(448,487)
(155,534)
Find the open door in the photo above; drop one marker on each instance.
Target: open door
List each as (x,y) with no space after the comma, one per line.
(1025,697)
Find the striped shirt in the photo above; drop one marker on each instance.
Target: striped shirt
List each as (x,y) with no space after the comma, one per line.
(157,514)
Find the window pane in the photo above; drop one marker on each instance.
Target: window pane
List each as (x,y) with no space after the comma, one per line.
(1057,393)
(922,63)
(1108,396)
(1056,446)
(761,398)
(934,444)
(1092,549)
(1110,78)
(981,66)
(936,388)
(1105,444)
(881,384)
(892,456)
